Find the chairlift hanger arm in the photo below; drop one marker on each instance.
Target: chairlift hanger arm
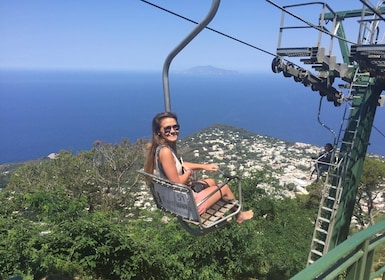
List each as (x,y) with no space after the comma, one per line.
(166,66)
(323,124)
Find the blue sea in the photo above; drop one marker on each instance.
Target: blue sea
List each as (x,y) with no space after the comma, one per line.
(43,112)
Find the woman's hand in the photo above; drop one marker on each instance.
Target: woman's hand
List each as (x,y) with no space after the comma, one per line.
(190,170)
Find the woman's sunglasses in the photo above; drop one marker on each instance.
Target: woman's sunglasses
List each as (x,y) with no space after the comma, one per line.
(167,129)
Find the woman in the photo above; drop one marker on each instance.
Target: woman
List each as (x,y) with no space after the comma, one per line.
(162,159)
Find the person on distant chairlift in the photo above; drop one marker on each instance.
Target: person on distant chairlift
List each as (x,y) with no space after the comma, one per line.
(322,161)
(162,161)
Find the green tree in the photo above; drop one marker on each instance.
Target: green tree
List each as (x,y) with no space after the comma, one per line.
(116,171)
(370,188)
(106,175)
(71,215)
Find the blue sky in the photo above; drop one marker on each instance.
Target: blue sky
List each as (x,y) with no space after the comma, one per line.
(130,34)
(133,35)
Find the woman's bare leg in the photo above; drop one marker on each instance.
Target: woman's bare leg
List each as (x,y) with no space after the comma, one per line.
(226,194)
(225,191)
(215,196)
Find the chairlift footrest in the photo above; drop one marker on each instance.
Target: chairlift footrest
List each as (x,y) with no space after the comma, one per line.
(217,211)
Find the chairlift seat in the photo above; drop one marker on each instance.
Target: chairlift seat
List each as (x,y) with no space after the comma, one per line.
(178,199)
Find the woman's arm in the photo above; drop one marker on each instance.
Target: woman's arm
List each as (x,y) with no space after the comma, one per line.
(201,166)
(167,160)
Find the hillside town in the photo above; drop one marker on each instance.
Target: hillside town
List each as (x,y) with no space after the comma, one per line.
(243,153)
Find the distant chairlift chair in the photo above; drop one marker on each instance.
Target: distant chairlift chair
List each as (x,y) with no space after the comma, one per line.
(178,199)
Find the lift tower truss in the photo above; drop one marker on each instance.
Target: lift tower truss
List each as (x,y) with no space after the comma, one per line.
(363,71)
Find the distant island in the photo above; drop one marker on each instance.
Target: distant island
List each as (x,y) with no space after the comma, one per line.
(208,70)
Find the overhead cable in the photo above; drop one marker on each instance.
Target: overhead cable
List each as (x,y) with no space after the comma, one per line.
(209,28)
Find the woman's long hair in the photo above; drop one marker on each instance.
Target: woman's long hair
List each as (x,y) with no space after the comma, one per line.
(156,140)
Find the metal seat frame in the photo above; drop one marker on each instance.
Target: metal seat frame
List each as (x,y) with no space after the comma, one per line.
(178,199)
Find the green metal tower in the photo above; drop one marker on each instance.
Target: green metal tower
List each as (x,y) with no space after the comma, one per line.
(362,71)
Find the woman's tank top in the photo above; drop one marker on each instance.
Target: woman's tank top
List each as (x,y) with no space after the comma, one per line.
(159,170)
